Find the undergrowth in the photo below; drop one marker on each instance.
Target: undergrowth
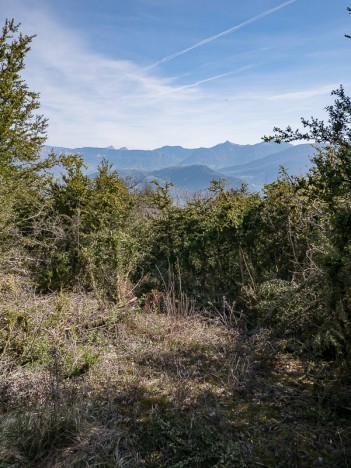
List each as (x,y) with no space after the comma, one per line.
(86,383)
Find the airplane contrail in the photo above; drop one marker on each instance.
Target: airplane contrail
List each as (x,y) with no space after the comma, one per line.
(222,75)
(217,36)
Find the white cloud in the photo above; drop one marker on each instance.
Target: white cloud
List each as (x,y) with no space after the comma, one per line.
(304,94)
(91,99)
(94,100)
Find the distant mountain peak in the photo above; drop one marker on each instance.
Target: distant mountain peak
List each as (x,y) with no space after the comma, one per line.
(169,147)
(227,145)
(110,147)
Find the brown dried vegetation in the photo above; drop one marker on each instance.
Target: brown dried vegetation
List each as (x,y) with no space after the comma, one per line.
(86,384)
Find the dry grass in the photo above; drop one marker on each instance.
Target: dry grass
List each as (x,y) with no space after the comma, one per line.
(90,384)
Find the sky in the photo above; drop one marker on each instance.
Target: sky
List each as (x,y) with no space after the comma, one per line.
(148,73)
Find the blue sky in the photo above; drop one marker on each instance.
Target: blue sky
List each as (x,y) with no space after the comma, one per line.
(148,73)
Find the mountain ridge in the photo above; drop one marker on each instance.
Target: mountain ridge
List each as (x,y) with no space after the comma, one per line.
(255,164)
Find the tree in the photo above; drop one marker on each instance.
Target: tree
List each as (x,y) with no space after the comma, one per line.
(336,133)
(346,35)
(22,132)
(328,187)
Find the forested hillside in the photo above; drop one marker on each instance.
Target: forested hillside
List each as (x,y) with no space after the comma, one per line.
(136,332)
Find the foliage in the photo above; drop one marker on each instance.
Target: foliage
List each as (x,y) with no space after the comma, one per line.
(349,10)
(96,234)
(327,188)
(337,131)
(128,324)
(83,238)
(198,246)
(22,132)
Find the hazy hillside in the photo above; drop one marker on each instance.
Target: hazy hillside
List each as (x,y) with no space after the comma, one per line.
(221,155)
(228,153)
(194,169)
(195,177)
(124,158)
(295,159)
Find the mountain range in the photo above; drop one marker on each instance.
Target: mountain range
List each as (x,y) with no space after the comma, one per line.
(194,169)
